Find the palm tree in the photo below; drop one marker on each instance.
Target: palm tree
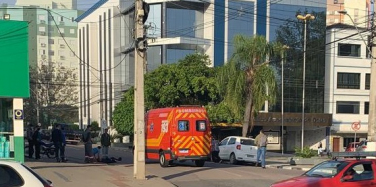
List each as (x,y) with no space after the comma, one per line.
(247,80)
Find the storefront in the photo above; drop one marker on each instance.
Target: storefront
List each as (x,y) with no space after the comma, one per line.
(14,87)
(316,130)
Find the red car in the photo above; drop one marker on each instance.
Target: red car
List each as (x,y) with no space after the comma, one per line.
(352,146)
(336,173)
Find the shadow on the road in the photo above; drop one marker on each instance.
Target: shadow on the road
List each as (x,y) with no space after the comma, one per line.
(186,173)
(63,166)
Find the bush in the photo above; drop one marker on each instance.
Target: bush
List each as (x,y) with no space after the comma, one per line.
(305,153)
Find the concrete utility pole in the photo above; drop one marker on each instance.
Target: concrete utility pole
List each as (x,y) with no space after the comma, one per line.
(372,90)
(139,108)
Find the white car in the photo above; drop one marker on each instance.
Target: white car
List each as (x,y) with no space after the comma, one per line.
(14,174)
(237,148)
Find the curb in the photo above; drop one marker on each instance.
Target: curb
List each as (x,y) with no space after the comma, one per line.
(288,167)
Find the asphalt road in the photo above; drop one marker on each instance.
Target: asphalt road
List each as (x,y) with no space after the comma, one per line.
(211,175)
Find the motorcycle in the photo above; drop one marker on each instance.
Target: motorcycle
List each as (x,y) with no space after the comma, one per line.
(47,149)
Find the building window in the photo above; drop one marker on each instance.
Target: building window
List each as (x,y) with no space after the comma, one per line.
(368,82)
(61,18)
(349,50)
(348,80)
(51,41)
(366,107)
(52,53)
(347,107)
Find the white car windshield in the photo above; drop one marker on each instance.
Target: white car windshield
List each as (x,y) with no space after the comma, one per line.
(326,169)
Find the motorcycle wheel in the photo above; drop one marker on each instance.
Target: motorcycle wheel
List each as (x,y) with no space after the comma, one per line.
(51,153)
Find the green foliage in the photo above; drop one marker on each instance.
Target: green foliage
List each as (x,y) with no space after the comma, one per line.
(188,82)
(305,153)
(95,126)
(221,113)
(245,81)
(124,114)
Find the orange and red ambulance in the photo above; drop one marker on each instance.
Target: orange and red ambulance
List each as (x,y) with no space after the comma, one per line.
(178,133)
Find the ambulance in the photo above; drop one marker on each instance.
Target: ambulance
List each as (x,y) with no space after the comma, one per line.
(178,133)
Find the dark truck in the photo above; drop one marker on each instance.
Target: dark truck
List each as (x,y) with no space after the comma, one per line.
(72,135)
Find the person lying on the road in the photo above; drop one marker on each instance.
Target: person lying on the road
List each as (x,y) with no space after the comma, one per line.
(111,160)
(96,153)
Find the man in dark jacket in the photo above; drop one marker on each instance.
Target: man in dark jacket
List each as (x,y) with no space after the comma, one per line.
(88,144)
(37,138)
(29,134)
(57,139)
(105,142)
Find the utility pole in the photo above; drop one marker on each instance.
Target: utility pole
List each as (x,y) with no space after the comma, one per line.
(284,48)
(372,90)
(139,108)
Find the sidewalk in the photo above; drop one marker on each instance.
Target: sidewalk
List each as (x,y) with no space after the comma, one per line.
(79,174)
(282,163)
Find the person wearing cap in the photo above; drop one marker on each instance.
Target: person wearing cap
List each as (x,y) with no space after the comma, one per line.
(105,142)
(86,138)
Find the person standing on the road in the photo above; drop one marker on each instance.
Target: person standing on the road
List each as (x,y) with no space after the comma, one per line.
(63,144)
(106,143)
(215,150)
(57,139)
(29,135)
(37,138)
(261,142)
(86,138)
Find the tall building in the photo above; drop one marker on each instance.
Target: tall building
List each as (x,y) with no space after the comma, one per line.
(52,42)
(50,4)
(178,28)
(347,84)
(359,11)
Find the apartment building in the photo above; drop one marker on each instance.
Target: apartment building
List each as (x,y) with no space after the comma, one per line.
(359,11)
(347,83)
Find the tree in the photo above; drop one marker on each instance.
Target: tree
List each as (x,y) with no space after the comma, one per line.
(54,92)
(291,33)
(247,78)
(95,126)
(124,114)
(188,82)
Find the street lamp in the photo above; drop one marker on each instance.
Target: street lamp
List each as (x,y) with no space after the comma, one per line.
(305,18)
(284,48)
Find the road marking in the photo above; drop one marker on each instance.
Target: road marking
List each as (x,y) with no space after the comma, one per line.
(62,176)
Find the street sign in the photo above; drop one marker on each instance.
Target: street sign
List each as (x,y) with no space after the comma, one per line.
(355,126)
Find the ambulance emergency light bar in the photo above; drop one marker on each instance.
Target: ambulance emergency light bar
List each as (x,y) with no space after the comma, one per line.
(357,154)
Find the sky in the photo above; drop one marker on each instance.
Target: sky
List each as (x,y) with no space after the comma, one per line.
(82,4)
